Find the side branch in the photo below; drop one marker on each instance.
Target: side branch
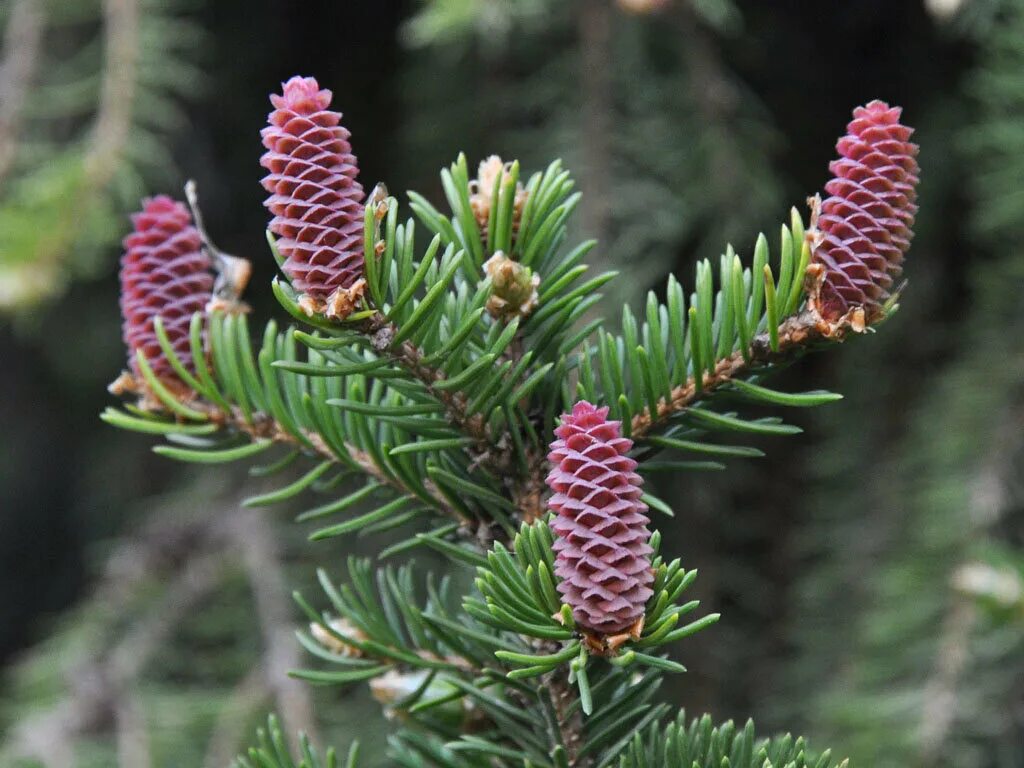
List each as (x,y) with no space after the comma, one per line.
(260,425)
(265,427)
(796,335)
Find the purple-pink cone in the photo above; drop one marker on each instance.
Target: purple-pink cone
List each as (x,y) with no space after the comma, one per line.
(165,273)
(314,196)
(602,554)
(867,219)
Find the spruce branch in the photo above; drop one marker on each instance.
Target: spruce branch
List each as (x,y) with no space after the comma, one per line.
(275,751)
(440,376)
(684,743)
(796,336)
(386,338)
(263,430)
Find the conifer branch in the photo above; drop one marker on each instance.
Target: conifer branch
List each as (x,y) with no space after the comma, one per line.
(408,381)
(795,336)
(262,426)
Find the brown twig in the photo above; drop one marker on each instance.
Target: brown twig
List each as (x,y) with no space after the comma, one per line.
(102,153)
(132,737)
(795,336)
(117,92)
(570,725)
(247,698)
(717,100)
(940,693)
(382,335)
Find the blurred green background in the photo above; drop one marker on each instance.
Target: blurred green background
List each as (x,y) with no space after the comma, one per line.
(870,573)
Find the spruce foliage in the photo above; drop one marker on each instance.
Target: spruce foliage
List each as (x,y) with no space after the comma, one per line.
(446,411)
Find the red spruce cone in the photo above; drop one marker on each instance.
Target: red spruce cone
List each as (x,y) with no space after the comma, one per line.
(866,222)
(165,273)
(314,195)
(602,555)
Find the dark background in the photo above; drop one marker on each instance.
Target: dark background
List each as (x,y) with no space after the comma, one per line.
(803,552)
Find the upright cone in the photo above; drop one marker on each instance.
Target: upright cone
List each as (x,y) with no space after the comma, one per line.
(602,554)
(165,273)
(314,196)
(866,222)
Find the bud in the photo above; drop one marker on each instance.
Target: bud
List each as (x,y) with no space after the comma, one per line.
(335,644)
(314,197)
(394,688)
(482,193)
(513,288)
(164,273)
(864,228)
(602,554)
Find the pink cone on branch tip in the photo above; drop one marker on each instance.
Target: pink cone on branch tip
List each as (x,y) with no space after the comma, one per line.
(314,197)
(165,273)
(602,550)
(865,224)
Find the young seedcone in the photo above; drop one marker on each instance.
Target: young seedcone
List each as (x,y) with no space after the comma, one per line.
(602,554)
(165,273)
(315,198)
(865,224)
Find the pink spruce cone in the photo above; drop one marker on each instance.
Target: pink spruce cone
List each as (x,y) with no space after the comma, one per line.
(866,222)
(165,273)
(602,555)
(314,195)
